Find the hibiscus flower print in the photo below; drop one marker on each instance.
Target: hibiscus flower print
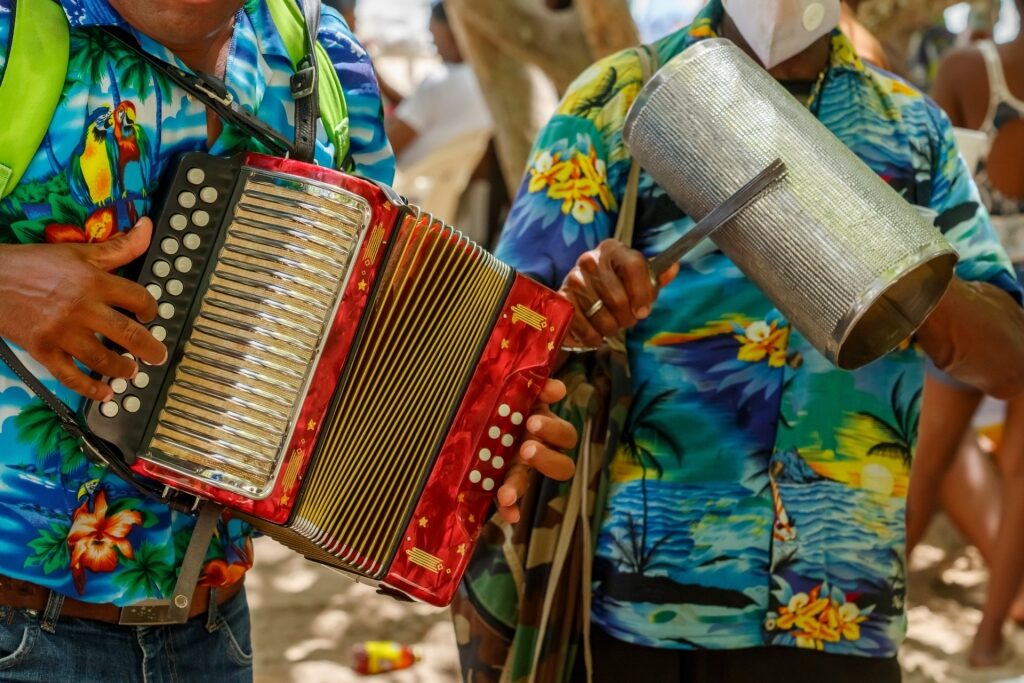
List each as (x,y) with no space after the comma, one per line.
(578,181)
(97,538)
(100,226)
(763,340)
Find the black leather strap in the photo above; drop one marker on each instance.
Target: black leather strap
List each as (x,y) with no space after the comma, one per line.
(212,91)
(97,450)
(304,83)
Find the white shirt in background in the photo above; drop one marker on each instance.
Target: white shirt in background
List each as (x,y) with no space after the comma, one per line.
(447,105)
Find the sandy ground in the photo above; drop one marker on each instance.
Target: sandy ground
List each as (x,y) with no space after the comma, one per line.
(306,620)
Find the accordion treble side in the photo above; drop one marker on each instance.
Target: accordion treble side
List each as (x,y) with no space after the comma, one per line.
(347,373)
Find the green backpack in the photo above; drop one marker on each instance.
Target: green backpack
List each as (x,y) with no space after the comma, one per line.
(39,47)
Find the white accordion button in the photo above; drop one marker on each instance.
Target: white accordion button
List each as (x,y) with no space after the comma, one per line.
(154,290)
(178,222)
(161,268)
(165,311)
(183,264)
(169,245)
(141,380)
(196,176)
(504,410)
(498,463)
(132,404)
(175,287)
(191,241)
(517,418)
(485,454)
(208,194)
(475,476)
(119,385)
(159,332)
(507,440)
(186,200)
(488,484)
(201,218)
(494,432)
(109,409)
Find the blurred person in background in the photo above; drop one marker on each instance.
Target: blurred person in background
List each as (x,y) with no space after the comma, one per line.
(347,10)
(981,20)
(928,45)
(981,87)
(447,105)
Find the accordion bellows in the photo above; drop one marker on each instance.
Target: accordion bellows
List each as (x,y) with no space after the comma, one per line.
(347,373)
(854,266)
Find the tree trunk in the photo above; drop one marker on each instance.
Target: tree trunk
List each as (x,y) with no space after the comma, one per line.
(511,91)
(607,25)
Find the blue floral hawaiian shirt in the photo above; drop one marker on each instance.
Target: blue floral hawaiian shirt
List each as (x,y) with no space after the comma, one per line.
(64,523)
(757,497)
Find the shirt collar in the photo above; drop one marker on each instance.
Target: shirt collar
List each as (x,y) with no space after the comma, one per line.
(705,25)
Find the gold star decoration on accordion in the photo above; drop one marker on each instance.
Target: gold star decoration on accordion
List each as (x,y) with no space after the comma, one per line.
(423,522)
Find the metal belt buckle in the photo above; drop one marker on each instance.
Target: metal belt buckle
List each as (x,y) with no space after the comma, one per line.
(303,82)
(156,612)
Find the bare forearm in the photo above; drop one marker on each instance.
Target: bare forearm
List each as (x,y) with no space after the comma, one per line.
(976,334)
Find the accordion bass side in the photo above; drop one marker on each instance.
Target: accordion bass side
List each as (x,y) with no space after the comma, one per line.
(347,373)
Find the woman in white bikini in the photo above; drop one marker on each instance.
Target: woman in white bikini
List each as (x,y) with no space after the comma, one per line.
(981,88)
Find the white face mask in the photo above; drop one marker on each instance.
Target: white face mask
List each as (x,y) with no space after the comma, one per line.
(779,29)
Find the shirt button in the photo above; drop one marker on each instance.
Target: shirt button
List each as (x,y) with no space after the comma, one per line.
(769,623)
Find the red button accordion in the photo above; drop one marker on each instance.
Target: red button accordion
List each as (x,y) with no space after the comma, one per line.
(347,373)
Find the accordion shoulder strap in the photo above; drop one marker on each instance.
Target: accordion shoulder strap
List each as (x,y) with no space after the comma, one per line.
(33,80)
(96,449)
(627,208)
(305,85)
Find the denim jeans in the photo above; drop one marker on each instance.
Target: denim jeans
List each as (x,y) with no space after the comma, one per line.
(37,648)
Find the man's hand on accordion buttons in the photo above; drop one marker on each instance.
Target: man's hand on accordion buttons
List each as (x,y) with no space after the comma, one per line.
(56,298)
(546,436)
(619,278)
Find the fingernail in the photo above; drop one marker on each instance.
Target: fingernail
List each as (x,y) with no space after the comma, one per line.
(135,372)
(534,424)
(642,312)
(528,451)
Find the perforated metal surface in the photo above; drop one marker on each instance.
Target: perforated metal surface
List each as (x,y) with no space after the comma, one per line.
(276,283)
(853,266)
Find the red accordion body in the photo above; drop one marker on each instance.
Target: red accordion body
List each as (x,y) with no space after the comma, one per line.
(375,445)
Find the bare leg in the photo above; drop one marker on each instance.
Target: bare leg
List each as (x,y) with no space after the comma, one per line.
(970,496)
(946,413)
(1007,563)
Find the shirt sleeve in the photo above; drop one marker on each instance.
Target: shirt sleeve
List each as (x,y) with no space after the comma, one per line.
(569,200)
(962,217)
(370,148)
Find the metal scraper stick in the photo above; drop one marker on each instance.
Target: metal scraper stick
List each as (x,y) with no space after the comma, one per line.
(705,227)
(719,216)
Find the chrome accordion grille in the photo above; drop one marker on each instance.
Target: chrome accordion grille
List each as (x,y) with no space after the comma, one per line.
(274,287)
